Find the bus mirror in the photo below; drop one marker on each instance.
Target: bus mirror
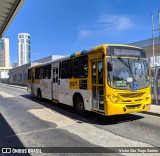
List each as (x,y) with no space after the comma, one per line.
(109,66)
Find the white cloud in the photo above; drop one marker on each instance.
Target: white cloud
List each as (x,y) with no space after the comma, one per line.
(107,24)
(83,33)
(116,22)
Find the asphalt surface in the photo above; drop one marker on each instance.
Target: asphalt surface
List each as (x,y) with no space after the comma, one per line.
(27,122)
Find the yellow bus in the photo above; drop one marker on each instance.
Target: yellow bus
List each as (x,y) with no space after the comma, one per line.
(109,79)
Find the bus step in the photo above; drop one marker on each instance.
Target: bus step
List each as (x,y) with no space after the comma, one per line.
(55,101)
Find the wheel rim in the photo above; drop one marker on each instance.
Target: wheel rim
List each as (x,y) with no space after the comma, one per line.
(80,106)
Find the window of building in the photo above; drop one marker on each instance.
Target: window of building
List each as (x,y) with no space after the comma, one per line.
(81,67)
(66,69)
(28,41)
(1,44)
(22,47)
(21,40)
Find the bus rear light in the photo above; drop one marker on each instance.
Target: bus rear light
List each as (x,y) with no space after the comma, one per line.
(148,96)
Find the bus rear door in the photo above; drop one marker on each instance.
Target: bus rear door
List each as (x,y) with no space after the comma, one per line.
(55,85)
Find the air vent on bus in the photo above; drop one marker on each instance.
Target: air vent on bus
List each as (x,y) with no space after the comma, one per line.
(126,100)
(133,106)
(131,95)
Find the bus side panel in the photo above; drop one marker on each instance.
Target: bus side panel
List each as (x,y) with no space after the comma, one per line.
(66,94)
(45,86)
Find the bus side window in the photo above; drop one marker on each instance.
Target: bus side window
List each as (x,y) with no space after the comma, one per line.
(100,72)
(60,66)
(81,67)
(29,74)
(48,71)
(94,72)
(37,73)
(56,75)
(54,80)
(42,72)
(66,69)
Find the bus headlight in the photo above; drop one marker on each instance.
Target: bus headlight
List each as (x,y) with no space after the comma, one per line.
(148,96)
(113,98)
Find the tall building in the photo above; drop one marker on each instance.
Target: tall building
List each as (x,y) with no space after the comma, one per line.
(4,59)
(24,49)
(4,52)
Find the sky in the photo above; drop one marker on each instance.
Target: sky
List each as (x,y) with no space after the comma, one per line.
(62,27)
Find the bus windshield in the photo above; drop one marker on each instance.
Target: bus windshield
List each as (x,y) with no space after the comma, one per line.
(124,73)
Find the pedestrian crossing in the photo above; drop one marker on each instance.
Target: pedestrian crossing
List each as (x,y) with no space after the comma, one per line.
(5,95)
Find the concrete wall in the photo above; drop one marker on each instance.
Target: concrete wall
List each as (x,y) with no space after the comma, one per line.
(18,75)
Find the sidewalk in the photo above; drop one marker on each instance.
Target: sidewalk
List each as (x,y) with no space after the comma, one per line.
(155,110)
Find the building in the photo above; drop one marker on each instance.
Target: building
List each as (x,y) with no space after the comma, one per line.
(9,10)
(24,49)
(147,45)
(4,59)
(4,52)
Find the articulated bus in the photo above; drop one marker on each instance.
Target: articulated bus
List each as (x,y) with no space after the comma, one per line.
(109,79)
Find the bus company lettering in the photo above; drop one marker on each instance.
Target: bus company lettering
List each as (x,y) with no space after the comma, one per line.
(45,85)
(73,84)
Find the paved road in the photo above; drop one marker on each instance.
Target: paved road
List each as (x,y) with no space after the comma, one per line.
(27,122)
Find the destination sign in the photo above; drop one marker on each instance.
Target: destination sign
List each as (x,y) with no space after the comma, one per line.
(127,52)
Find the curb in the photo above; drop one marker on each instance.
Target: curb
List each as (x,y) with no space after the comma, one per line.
(151,113)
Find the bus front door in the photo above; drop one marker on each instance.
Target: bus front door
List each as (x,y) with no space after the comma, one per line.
(98,85)
(55,83)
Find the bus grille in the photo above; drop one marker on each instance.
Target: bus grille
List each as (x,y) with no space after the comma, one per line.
(133,106)
(131,95)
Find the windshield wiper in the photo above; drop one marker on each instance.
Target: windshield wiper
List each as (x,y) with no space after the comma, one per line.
(127,65)
(122,60)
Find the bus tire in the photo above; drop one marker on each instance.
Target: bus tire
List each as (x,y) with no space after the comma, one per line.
(79,105)
(39,95)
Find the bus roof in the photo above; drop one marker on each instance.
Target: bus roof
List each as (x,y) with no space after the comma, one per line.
(102,46)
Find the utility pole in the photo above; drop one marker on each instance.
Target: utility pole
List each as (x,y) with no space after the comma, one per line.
(155,85)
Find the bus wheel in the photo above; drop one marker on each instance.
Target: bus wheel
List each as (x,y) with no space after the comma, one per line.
(79,106)
(39,95)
